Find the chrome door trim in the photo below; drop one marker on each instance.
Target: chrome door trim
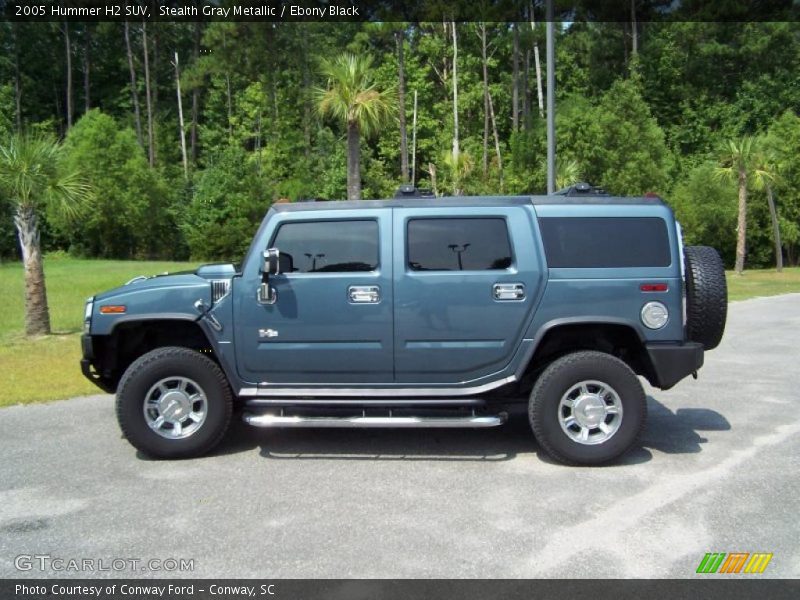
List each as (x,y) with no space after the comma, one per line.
(264,391)
(508,292)
(364,294)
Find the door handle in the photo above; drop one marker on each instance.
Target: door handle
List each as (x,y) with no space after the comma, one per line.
(509,291)
(364,294)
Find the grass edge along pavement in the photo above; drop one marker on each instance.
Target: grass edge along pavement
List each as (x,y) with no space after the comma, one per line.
(45,368)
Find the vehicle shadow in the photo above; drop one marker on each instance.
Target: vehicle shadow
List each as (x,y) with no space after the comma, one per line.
(677,432)
(666,431)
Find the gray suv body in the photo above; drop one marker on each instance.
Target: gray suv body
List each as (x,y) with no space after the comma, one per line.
(417,313)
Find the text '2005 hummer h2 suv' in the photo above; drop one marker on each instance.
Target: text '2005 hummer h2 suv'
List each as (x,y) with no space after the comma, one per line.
(417,313)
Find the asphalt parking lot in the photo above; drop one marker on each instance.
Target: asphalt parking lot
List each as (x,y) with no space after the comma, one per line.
(717,472)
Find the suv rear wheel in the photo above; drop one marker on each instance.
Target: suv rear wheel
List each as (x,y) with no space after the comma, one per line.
(174,403)
(587,408)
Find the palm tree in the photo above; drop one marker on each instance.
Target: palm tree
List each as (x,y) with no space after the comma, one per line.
(351,96)
(30,179)
(459,166)
(764,175)
(567,174)
(736,162)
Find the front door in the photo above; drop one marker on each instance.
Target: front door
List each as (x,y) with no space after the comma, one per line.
(332,317)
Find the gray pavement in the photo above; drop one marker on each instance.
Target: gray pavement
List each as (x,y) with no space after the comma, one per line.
(717,472)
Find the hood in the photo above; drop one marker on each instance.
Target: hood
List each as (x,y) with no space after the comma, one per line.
(199,277)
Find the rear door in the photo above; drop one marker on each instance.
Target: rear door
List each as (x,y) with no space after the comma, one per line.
(466,282)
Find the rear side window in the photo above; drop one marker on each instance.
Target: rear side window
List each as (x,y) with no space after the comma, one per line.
(597,242)
(458,244)
(329,246)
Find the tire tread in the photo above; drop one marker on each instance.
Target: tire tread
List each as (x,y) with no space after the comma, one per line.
(706,296)
(538,424)
(158,355)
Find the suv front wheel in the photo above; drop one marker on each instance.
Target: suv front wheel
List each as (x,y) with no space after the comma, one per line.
(174,403)
(587,408)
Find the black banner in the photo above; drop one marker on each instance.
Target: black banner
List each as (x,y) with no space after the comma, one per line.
(397,10)
(733,588)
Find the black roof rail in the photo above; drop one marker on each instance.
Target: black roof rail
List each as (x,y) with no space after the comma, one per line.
(582,189)
(409,191)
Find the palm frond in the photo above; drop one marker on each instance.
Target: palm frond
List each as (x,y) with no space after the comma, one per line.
(30,175)
(352,96)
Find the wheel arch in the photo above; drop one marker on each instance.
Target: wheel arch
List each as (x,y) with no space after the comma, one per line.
(618,337)
(131,338)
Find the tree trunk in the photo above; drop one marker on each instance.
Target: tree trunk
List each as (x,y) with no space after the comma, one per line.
(154,88)
(68,52)
(526,92)
(180,119)
(776,229)
(414,143)
(228,94)
(401,97)
(195,95)
(134,93)
(87,67)
(17,82)
(484,64)
(634,30)
(456,149)
(307,109)
(515,81)
(151,146)
(432,173)
(353,162)
(496,141)
(37,315)
(741,228)
(537,63)
(57,103)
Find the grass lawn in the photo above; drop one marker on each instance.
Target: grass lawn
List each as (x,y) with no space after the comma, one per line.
(46,368)
(766,282)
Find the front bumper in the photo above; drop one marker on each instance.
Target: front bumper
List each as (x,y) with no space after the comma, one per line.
(673,362)
(87,349)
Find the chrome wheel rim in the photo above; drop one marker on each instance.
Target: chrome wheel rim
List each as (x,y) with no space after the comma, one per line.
(175,407)
(590,412)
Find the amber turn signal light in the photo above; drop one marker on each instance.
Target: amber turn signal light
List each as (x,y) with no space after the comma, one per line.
(112,309)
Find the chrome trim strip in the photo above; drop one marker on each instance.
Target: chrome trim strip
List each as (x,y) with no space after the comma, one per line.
(373,392)
(217,283)
(351,422)
(394,403)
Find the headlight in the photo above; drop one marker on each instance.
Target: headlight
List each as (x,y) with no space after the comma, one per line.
(655,315)
(87,314)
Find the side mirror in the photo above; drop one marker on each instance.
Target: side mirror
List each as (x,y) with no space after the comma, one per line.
(276,263)
(272,262)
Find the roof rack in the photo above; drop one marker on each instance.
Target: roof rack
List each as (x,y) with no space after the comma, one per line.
(409,191)
(582,189)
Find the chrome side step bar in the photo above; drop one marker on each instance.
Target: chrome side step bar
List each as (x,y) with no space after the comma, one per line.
(385,421)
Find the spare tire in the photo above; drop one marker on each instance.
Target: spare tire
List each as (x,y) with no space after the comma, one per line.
(706,296)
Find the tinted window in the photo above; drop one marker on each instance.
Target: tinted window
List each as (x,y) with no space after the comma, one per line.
(596,242)
(329,246)
(458,244)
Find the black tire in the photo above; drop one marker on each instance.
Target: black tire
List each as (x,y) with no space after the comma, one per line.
(564,375)
(181,364)
(706,296)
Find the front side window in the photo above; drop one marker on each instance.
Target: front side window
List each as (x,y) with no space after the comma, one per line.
(329,246)
(466,244)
